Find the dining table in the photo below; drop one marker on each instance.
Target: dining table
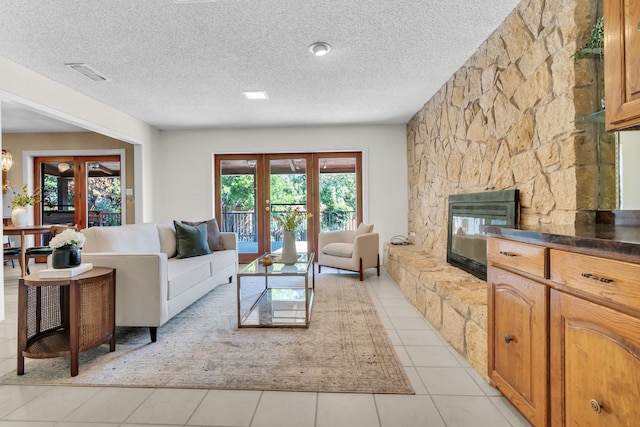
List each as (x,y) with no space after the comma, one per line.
(23,231)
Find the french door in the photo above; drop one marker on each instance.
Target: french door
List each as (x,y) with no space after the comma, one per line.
(80,190)
(252,190)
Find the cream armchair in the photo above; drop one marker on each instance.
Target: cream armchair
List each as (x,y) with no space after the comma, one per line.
(353,250)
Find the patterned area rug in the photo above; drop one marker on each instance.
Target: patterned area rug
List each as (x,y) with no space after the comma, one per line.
(346,349)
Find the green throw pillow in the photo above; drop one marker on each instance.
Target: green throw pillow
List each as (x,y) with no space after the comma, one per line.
(213,233)
(191,240)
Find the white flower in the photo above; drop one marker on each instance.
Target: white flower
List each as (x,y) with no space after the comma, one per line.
(67,238)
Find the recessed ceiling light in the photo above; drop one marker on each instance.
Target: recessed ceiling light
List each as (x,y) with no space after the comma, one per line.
(86,71)
(320,48)
(255,94)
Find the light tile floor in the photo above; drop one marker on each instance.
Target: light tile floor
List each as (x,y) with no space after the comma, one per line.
(449,392)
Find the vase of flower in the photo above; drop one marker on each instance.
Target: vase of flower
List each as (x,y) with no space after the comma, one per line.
(289,221)
(289,254)
(66,256)
(66,249)
(19,203)
(19,216)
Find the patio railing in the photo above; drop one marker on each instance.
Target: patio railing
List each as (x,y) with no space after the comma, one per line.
(244,224)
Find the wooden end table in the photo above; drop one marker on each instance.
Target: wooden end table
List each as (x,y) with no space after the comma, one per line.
(59,317)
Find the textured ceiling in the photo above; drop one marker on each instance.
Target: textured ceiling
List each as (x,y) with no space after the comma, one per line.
(184,66)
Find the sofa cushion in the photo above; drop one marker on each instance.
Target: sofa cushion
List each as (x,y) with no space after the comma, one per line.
(167,234)
(343,250)
(129,238)
(191,240)
(213,233)
(364,229)
(184,274)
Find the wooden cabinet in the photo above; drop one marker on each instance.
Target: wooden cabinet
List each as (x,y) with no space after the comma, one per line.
(621,63)
(517,335)
(595,364)
(520,256)
(576,330)
(610,282)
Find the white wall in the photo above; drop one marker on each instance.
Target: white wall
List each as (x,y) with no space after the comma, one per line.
(34,91)
(629,172)
(184,187)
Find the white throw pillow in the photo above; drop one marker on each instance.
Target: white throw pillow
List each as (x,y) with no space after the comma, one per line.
(167,233)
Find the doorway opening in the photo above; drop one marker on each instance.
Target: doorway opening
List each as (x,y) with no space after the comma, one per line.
(80,190)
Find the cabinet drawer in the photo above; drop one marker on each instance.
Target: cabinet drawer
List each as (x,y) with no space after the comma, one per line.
(608,280)
(521,256)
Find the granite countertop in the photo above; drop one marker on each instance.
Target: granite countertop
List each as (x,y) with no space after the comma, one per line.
(612,241)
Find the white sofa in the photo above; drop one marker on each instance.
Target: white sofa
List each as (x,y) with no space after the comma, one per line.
(152,285)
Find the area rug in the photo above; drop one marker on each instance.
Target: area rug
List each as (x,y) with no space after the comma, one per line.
(345,349)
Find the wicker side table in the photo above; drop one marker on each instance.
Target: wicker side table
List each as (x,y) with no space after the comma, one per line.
(59,317)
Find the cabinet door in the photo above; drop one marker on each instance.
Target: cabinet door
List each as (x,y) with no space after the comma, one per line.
(595,364)
(517,333)
(622,62)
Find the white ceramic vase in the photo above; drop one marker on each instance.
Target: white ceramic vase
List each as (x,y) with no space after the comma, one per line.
(289,255)
(19,217)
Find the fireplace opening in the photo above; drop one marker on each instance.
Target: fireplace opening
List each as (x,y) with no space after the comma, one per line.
(466,242)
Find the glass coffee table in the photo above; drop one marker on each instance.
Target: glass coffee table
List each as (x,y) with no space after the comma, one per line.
(277,295)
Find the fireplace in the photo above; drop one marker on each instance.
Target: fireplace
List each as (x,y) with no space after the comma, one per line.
(466,242)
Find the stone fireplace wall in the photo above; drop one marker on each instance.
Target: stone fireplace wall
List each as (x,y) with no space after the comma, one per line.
(506,120)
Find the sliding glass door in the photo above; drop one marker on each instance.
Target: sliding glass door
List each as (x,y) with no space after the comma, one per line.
(288,190)
(339,191)
(252,190)
(239,194)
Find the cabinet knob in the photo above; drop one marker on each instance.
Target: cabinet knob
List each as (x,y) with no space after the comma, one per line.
(508,338)
(597,408)
(509,254)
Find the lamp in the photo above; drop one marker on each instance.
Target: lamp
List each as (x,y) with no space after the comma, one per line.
(63,167)
(7,160)
(320,48)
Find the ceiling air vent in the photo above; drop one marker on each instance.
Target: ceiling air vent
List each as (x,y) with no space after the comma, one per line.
(87,71)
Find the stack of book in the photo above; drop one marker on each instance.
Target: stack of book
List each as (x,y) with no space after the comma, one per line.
(59,273)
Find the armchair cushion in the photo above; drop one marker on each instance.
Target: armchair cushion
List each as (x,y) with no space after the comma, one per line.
(364,229)
(343,250)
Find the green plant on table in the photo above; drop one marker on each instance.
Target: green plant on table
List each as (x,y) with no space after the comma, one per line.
(23,198)
(290,219)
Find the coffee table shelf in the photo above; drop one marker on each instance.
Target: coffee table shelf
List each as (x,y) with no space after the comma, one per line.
(277,295)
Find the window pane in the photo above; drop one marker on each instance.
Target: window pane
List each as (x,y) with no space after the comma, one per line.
(338,194)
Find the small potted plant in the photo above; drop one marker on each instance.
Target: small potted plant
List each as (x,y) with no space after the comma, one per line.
(66,248)
(19,203)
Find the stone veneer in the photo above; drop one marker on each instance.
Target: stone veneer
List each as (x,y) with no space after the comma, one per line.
(505,119)
(453,301)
